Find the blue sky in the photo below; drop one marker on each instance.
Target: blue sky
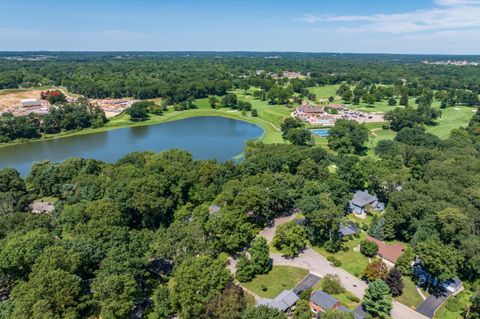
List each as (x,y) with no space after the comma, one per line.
(390,26)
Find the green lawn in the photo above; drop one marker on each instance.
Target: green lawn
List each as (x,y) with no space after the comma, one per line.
(452,118)
(352,261)
(454,307)
(280,278)
(410,296)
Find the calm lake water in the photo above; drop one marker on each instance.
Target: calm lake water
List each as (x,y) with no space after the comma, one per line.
(205,137)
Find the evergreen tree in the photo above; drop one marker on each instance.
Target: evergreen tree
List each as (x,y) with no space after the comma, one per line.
(378,300)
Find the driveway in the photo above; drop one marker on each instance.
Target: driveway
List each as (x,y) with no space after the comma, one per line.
(430,305)
(307,283)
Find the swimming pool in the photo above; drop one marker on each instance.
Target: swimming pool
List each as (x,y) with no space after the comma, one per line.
(322,132)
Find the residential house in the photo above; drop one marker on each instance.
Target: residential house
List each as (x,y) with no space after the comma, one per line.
(348,229)
(321,301)
(389,253)
(453,285)
(284,301)
(362,201)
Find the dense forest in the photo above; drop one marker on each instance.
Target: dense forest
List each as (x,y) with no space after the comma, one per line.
(138,238)
(182,75)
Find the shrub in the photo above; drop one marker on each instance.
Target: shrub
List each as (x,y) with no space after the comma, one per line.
(375,270)
(368,248)
(353,298)
(334,261)
(331,285)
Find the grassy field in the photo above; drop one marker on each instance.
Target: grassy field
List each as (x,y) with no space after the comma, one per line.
(410,296)
(280,278)
(452,118)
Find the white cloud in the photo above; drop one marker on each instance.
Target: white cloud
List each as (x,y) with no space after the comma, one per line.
(457,2)
(447,15)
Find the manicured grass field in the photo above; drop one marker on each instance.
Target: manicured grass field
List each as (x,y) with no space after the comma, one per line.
(280,278)
(452,118)
(410,296)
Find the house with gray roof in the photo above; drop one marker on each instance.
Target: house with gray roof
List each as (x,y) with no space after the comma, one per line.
(362,199)
(348,229)
(320,302)
(284,301)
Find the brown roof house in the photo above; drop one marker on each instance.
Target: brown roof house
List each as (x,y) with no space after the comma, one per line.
(389,253)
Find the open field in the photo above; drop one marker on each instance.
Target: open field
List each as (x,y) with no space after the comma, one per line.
(280,278)
(452,118)
(10,99)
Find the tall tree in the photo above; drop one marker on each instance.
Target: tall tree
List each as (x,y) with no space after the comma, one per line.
(378,300)
(394,282)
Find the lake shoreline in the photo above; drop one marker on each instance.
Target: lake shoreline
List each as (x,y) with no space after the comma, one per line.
(205,137)
(268,128)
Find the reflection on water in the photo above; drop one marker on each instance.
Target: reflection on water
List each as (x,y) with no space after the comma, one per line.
(205,137)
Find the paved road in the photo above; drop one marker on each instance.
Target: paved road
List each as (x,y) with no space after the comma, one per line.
(269,232)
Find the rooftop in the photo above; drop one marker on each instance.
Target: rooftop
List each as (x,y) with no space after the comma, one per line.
(362,198)
(323,299)
(388,252)
(283,301)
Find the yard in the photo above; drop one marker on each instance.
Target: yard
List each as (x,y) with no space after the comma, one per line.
(410,296)
(455,306)
(280,278)
(352,261)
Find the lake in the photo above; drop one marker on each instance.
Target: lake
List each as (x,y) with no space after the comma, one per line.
(205,137)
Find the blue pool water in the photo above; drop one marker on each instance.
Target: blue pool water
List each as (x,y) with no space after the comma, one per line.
(322,132)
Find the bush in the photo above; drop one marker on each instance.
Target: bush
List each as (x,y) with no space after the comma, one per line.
(254,112)
(353,298)
(331,285)
(335,262)
(455,304)
(368,248)
(305,295)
